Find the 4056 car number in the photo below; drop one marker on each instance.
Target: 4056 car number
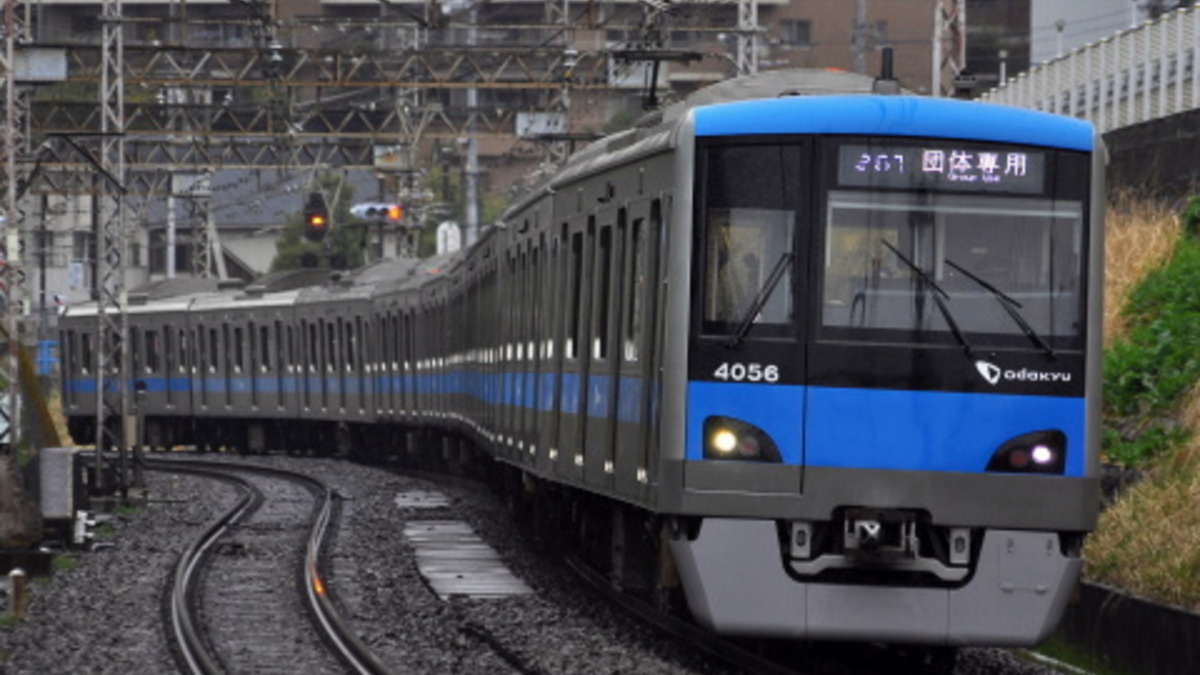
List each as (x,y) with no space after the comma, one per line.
(747,372)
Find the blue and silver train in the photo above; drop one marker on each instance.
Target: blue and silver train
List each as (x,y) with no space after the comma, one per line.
(823,363)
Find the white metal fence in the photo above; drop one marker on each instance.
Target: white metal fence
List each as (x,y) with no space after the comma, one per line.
(1133,76)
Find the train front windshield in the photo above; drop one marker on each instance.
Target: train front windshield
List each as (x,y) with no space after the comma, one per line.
(910,241)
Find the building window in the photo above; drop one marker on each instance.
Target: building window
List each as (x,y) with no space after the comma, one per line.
(83,246)
(795,33)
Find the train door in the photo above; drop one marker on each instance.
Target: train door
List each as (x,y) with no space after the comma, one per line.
(630,352)
(69,368)
(254,365)
(549,286)
(573,411)
(601,370)
(169,355)
(185,366)
(329,381)
(306,367)
(648,334)
(200,366)
(341,347)
(227,363)
(405,356)
(282,351)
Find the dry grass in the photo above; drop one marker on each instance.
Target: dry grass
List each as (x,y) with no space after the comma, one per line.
(1148,542)
(1139,235)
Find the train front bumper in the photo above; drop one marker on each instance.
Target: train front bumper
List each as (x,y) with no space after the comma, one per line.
(736,584)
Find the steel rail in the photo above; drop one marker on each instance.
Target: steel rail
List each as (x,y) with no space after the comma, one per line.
(344,642)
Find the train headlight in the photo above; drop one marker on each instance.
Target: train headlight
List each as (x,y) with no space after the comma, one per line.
(1035,452)
(732,439)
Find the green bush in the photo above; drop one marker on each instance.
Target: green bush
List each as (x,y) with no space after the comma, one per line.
(1190,217)
(1147,374)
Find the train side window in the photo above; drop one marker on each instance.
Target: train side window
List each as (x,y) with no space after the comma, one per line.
(183,351)
(213,350)
(88,350)
(264,344)
(637,291)
(135,345)
(201,347)
(153,351)
(351,356)
(238,347)
(535,308)
(252,333)
(575,298)
(313,347)
(289,346)
(330,345)
(603,279)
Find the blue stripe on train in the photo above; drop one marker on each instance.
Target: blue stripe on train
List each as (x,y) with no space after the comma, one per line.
(882,429)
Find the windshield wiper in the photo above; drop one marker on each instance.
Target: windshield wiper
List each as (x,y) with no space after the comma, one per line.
(760,299)
(939,298)
(1010,305)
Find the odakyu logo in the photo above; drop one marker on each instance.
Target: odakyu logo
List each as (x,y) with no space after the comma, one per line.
(994,374)
(990,371)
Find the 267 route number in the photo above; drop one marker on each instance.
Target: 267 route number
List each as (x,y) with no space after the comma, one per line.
(747,372)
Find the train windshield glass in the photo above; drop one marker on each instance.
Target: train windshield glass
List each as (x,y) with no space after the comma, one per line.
(923,266)
(749,223)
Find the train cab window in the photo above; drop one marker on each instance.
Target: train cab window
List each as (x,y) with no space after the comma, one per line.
(748,272)
(748,213)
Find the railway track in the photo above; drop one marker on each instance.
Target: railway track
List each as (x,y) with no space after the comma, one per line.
(222,613)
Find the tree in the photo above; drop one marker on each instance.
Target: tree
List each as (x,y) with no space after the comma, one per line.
(345,247)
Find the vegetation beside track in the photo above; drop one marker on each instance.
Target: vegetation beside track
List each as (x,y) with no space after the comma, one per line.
(1148,540)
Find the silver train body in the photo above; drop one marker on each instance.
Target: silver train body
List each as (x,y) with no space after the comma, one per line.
(755,336)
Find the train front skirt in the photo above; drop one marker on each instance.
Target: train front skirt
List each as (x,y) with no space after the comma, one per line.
(1015,597)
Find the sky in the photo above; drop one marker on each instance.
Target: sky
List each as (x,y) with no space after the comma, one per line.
(1084,21)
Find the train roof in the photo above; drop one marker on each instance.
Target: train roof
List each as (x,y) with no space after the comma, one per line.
(656,130)
(819,101)
(914,116)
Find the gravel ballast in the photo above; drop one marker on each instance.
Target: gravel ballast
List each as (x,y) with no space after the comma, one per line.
(104,614)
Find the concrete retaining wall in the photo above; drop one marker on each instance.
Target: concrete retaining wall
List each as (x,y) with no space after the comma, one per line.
(1132,633)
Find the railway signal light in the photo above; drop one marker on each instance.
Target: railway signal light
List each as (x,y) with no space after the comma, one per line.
(379,212)
(316,217)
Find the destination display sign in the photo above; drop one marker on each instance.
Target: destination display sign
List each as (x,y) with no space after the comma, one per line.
(942,167)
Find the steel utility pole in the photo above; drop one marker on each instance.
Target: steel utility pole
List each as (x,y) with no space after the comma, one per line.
(16,141)
(112,400)
(949,45)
